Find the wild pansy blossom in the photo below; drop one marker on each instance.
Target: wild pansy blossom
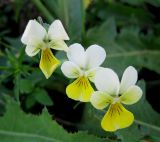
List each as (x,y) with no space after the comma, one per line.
(114,93)
(82,65)
(37,38)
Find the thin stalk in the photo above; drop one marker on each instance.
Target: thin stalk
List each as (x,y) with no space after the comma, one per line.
(43,9)
(147,125)
(5,44)
(63,9)
(76,105)
(83,19)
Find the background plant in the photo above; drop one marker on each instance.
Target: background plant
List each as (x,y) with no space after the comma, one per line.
(130,33)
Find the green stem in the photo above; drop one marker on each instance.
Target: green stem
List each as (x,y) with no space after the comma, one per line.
(147,125)
(83,12)
(134,53)
(5,44)
(76,105)
(43,9)
(64,5)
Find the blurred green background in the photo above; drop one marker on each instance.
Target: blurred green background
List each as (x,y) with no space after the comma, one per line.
(129,30)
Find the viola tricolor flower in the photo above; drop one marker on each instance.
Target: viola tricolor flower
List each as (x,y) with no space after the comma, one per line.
(114,93)
(82,65)
(37,38)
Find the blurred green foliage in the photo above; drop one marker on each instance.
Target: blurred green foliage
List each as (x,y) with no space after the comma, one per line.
(129,30)
(38,128)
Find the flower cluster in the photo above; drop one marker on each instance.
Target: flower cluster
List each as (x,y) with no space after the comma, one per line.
(84,66)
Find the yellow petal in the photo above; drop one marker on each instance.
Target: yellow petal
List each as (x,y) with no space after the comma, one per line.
(48,62)
(117,117)
(80,90)
(87,3)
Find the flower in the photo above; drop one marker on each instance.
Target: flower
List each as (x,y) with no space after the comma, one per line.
(82,65)
(112,92)
(36,38)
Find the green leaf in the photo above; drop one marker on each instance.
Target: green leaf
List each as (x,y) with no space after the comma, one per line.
(129,49)
(76,20)
(103,33)
(52,6)
(26,86)
(16,126)
(2,99)
(135,2)
(17,86)
(140,2)
(30,101)
(42,96)
(126,14)
(125,48)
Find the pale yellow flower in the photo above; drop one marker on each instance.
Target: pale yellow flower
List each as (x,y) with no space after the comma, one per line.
(36,38)
(82,65)
(114,93)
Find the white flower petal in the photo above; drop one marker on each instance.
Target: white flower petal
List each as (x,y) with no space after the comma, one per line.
(57,31)
(132,95)
(100,99)
(107,80)
(31,50)
(76,54)
(129,78)
(91,73)
(95,55)
(70,69)
(33,31)
(58,45)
